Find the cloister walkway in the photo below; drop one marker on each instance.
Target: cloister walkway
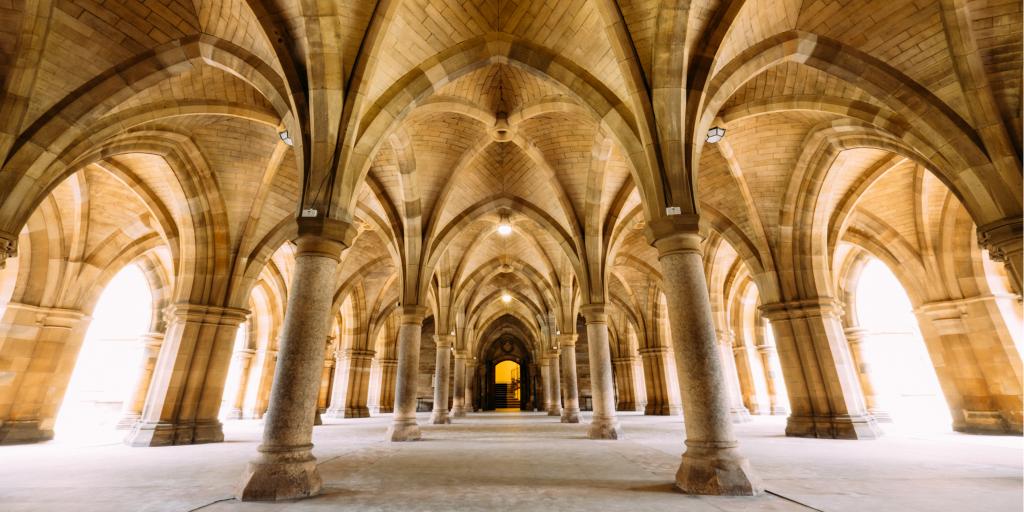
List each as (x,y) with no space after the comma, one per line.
(528,461)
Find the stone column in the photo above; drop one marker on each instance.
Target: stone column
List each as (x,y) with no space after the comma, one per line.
(388,375)
(857,338)
(442,378)
(351,384)
(748,387)
(656,377)
(471,367)
(1004,240)
(285,468)
(570,389)
(324,395)
(556,384)
(605,424)
(824,391)
(243,360)
(404,426)
(712,463)
(459,400)
(545,375)
(184,398)
(625,381)
(737,411)
(768,361)
(132,411)
(38,350)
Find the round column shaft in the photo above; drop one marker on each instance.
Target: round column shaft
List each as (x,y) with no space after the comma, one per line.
(605,424)
(404,426)
(439,416)
(571,397)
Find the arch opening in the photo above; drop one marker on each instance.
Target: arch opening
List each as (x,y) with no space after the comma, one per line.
(507,386)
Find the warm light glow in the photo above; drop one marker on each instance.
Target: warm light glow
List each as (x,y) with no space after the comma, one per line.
(506,298)
(504,229)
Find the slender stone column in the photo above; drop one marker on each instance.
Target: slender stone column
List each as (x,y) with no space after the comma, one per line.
(471,367)
(388,375)
(404,426)
(556,384)
(324,395)
(737,411)
(748,387)
(768,361)
(857,338)
(824,391)
(545,375)
(351,384)
(570,389)
(656,377)
(184,398)
(442,378)
(459,399)
(605,424)
(132,411)
(243,361)
(285,467)
(712,463)
(625,382)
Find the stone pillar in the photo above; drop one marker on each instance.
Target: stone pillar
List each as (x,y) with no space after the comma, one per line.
(712,463)
(388,375)
(404,426)
(260,379)
(737,411)
(977,363)
(656,377)
(471,367)
(824,392)
(1005,243)
(243,361)
(285,468)
(351,384)
(857,338)
(38,351)
(605,424)
(768,361)
(625,381)
(555,370)
(545,375)
(459,399)
(570,390)
(184,398)
(442,378)
(748,389)
(132,410)
(324,395)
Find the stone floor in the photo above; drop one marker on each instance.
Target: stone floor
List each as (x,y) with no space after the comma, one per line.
(515,461)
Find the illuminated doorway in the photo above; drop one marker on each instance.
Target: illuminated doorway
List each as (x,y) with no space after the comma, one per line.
(897,356)
(108,362)
(507,384)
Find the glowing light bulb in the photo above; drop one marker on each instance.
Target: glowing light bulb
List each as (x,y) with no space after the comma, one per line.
(504,229)
(506,298)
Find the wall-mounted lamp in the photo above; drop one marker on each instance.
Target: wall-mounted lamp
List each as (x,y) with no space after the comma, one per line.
(715,134)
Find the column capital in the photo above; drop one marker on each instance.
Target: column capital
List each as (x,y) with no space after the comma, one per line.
(594,313)
(462,354)
(566,340)
(46,316)
(338,235)
(644,351)
(200,313)
(413,314)
(855,335)
(821,306)
(444,340)
(675,234)
(387,362)
(1002,238)
(624,360)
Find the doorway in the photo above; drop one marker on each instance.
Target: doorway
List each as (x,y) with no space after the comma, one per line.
(507,386)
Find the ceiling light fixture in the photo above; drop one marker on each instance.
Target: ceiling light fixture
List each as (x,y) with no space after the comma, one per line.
(715,134)
(286,138)
(504,226)
(506,298)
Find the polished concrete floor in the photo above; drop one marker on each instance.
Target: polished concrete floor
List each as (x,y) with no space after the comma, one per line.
(510,461)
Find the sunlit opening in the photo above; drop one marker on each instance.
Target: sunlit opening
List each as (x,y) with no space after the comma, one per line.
(109,361)
(233,390)
(506,386)
(899,364)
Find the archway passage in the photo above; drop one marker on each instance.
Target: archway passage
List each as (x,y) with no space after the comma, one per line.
(895,355)
(107,363)
(507,386)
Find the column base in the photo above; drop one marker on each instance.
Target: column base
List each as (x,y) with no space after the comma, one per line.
(318,419)
(349,412)
(880,415)
(458,411)
(778,410)
(386,409)
(605,428)
(128,421)
(833,427)
(740,415)
(146,433)
(570,415)
(555,411)
(280,474)
(440,418)
(403,430)
(23,432)
(657,410)
(234,414)
(625,406)
(717,472)
(985,422)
